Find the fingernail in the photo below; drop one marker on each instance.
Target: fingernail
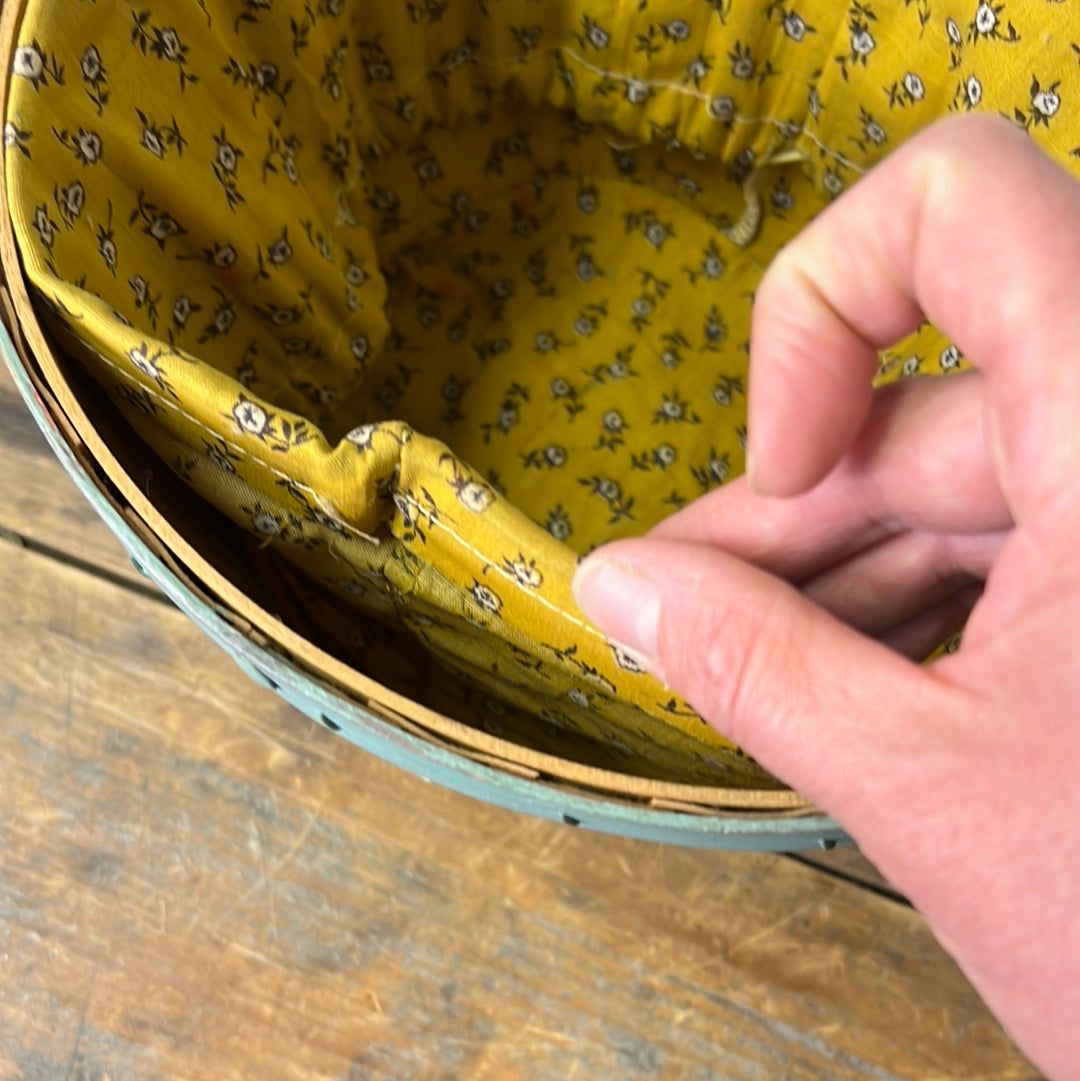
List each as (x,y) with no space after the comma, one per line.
(624,604)
(750,470)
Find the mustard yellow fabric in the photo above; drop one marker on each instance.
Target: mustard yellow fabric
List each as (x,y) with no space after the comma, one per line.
(434,295)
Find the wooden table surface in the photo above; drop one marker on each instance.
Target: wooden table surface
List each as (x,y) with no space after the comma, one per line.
(197,882)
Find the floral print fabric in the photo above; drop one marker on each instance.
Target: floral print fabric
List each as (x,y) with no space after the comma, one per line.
(432,296)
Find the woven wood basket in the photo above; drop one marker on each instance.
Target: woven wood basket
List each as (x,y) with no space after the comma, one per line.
(200,562)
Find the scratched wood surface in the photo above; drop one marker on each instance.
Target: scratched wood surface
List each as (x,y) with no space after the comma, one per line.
(196,882)
(40,504)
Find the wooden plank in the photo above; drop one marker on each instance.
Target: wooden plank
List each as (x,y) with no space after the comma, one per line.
(38,500)
(197,882)
(849,863)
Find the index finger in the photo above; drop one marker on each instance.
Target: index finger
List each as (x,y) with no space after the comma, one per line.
(968,225)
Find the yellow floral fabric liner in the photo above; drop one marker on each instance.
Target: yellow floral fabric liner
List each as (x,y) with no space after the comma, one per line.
(435,295)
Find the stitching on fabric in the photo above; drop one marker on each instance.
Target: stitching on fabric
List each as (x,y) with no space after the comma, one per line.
(581,624)
(504,65)
(320,501)
(691,92)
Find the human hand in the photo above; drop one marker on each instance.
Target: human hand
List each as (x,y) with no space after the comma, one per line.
(785,607)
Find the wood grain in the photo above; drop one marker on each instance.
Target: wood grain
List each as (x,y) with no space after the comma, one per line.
(197,882)
(38,500)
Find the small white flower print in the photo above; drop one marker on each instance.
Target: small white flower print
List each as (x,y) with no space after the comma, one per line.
(280,252)
(715,328)
(626,659)
(168,43)
(727,387)
(913,85)
(987,24)
(722,108)
(587,269)
(656,233)
(714,472)
(354,271)
(712,265)
(688,185)
(862,41)
(89,147)
(140,359)
(588,200)
(1044,102)
(162,227)
(593,34)
(45,227)
(360,347)
(664,456)
(608,489)
(872,131)
(362,436)
(84,144)
(795,26)
(524,571)
(70,202)
(251,417)
(225,165)
(675,30)
(637,91)
(696,70)
(227,154)
(545,342)
(743,65)
(486,598)
(985,19)
(107,245)
(223,256)
(16,139)
(973,91)
(222,322)
(953,32)
(90,64)
(613,421)
(182,310)
(163,43)
(619,368)
(29,63)
(782,197)
(558,523)
(266,523)
(151,140)
(950,358)
(95,77)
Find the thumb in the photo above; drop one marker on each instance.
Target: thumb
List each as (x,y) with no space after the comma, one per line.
(839,717)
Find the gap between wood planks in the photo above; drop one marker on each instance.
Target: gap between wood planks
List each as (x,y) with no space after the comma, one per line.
(67,559)
(843,864)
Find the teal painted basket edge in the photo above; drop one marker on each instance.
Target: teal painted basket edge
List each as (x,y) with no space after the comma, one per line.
(434,763)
